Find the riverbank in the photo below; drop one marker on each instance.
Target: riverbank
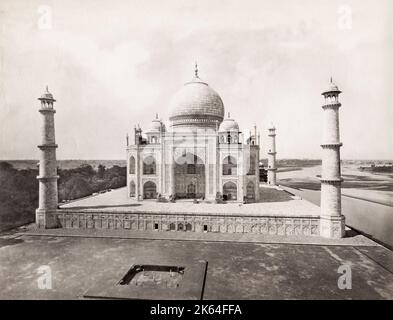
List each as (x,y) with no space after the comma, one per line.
(367,207)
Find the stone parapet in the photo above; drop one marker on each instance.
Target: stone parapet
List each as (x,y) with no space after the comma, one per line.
(332,227)
(161,222)
(47,219)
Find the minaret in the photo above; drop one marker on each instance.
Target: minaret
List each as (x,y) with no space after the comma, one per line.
(48,197)
(271,157)
(137,134)
(255,133)
(332,221)
(196,70)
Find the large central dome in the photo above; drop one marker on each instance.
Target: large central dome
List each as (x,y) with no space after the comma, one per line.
(196,104)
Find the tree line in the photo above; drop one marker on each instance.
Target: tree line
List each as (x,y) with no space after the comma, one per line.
(19,188)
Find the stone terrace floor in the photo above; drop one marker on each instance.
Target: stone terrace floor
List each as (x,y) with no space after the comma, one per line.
(240,266)
(236,270)
(117,201)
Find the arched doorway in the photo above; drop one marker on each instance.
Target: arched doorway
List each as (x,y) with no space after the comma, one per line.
(230,190)
(189,177)
(132,189)
(149,190)
(250,190)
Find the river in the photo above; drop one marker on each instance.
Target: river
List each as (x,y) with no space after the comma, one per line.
(363,209)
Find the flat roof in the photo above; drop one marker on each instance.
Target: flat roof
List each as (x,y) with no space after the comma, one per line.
(235,270)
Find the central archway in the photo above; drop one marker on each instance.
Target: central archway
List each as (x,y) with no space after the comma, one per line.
(230,190)
(149,190)
(189,177)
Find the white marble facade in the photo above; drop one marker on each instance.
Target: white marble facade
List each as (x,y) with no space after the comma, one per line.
(201,155)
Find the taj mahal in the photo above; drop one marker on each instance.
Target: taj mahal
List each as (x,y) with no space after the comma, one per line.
(199,173)
(202,155)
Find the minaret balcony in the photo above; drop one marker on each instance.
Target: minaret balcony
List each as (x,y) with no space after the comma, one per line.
(331,105)
(331,145)
(47,146)
(47,178)
(335,180)
(47,110)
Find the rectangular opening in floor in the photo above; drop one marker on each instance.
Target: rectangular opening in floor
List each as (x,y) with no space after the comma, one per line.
(153,276)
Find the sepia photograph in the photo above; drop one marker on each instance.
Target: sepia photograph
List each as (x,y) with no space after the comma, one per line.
(176,151)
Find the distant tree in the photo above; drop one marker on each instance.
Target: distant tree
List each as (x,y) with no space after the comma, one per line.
(115,171)
(85,170)
(6,166)
(19,188)
(100,171)
(117,182)
(76,187)
(99,184)
(18,195)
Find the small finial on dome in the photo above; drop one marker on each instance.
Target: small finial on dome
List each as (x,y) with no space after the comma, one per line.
(331,79)
(229,114)
(157,115)
(47,90)
(196,70)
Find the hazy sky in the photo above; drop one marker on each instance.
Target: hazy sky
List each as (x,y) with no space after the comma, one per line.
(112,64)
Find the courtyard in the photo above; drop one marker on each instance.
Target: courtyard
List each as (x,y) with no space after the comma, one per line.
(276,202)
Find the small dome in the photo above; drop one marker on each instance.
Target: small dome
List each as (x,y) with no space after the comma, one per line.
(228,125)
(155,126)
(46,95)
(332,87)
(271,126)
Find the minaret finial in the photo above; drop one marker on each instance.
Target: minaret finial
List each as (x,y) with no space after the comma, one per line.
(331,79)
(196,70)
(157,115)
(47,90)
(229,114)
